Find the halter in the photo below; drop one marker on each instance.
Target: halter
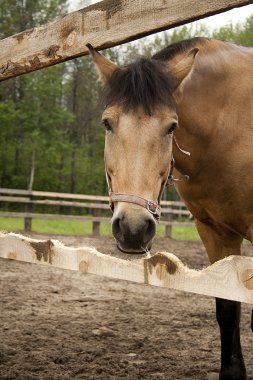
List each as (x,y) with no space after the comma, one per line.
(153,207)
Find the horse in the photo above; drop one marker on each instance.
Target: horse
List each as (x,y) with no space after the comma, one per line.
(197,95)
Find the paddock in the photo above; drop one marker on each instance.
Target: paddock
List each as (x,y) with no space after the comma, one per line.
(129,331)
(59,324)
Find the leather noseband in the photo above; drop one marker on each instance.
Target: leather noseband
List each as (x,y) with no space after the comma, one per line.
(153,207)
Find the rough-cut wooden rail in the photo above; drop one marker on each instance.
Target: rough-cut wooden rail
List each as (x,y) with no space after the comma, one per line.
(101,198)
(103,206)
(105,24)
(48,194)
(96,198)
(231,278)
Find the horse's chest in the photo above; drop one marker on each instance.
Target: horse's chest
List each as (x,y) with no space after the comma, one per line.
(220,216)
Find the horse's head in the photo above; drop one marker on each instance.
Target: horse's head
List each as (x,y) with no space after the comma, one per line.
(139,118)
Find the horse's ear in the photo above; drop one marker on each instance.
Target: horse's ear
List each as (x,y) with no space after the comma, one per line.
(104,66)
(184,67)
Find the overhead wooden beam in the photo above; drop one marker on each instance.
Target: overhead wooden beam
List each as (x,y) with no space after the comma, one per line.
(105,24)
(231,278)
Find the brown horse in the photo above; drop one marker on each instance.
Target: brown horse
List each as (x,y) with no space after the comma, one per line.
(209,95)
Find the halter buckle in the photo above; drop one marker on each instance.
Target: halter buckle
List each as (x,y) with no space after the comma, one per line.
(152,207)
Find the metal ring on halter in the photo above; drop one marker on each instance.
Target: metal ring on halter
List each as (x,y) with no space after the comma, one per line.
(152,206)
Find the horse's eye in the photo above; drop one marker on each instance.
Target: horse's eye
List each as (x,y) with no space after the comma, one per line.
(172,127)
(107,125)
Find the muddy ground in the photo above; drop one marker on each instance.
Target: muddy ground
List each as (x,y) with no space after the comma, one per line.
(57,324)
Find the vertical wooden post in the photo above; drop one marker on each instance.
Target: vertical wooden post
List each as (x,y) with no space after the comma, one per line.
(29,206)
(96,225)
(28,221)
(168,228)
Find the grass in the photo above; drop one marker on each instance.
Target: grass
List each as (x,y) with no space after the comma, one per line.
(77,227)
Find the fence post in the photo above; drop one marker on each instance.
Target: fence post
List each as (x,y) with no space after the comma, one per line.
(29,206)
(28,221)
(168,227)
(96,225)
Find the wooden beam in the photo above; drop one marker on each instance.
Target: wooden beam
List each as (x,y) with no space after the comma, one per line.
(35,193)
(33,215)
(53,202)
(95,198)
(101,206)
(231,278)
(105,24)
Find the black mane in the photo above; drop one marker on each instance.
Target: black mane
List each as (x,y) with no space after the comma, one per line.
(145,82)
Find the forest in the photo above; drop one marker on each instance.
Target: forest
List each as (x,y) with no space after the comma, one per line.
(50,119)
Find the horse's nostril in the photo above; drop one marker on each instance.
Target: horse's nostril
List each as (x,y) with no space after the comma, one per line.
(118,228)
(133,233)
(150,231)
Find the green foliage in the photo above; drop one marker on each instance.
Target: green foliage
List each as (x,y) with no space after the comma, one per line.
(239,34)
(54,114)
(19,15)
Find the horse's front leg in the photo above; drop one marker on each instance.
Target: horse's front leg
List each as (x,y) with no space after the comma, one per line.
(228,317)
(227,312)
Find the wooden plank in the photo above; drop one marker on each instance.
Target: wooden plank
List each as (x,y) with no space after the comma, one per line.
(77,204)
(230,278)
(34,215)
(96,198)
(176,223)
(54,202)
(54,195)
(7,198)
(173,203)
(105,24)
(100,198)
(175,212)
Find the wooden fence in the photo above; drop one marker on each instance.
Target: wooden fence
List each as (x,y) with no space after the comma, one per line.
(106,24)
(93,208)
(230,278)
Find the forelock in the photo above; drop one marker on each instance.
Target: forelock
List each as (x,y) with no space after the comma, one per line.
(145,82)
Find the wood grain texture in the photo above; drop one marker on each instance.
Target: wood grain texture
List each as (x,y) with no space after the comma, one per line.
(230,278)
(33,215)
(35,193)
(105,24)
(101,206)
(96,198)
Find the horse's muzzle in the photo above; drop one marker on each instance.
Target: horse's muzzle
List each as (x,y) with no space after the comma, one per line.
(133,235)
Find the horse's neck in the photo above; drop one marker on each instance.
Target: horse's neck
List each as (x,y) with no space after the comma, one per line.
(204,109)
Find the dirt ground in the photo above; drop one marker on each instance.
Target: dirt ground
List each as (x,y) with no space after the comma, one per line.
(58,324)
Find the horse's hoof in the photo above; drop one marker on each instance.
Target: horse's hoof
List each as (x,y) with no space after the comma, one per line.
(235,370)
(238,374)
